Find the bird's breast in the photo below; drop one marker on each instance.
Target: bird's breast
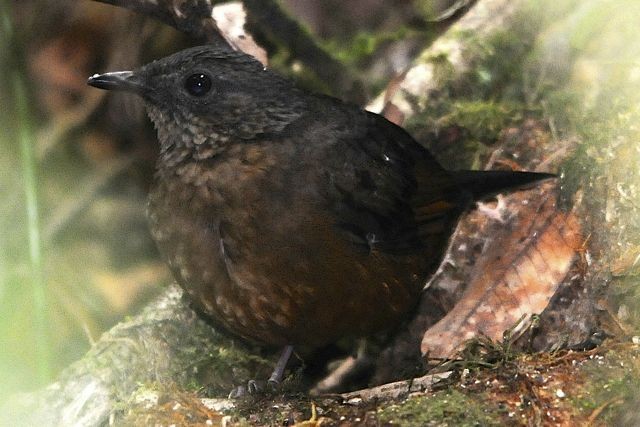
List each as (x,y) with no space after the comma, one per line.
(259,253)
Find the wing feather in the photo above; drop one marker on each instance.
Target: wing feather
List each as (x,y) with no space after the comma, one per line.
(389,193)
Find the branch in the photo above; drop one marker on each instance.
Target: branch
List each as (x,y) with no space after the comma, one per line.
(269,17)
(192,17)
(396,389)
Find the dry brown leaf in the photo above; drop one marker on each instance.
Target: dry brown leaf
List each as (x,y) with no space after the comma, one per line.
(516,276)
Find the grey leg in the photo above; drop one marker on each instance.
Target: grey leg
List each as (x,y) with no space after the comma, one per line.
(254,387)
(278,372)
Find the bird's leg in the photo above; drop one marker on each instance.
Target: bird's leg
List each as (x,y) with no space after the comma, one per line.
(278,371)
(255,387)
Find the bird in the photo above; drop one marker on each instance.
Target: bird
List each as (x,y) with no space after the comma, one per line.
(292,219)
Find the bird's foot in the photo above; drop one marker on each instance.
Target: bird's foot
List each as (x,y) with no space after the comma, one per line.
(254,388)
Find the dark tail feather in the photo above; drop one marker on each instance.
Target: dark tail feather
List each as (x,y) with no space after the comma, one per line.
(484,184)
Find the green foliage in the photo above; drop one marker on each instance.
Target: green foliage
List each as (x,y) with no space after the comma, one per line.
(364,44)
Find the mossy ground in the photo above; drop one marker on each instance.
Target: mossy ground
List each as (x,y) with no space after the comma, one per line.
(597,387)
(448,407)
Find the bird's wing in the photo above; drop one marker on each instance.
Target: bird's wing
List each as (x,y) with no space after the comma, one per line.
(388,193)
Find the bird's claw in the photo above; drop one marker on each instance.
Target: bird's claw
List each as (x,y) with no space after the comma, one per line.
(253,387)
(238,392)
(274,385)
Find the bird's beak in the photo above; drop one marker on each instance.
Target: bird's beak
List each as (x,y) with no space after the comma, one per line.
(119,80)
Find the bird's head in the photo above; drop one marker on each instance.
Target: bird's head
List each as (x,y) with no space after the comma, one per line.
(208,95)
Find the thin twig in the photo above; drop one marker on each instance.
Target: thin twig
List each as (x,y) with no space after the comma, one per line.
(397,389)
(596,412)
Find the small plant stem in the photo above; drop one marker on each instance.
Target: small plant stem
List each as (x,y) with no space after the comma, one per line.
(26,141)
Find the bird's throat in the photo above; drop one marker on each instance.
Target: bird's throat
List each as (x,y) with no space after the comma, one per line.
(184,139)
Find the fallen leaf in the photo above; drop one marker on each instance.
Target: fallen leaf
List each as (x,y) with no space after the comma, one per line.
(517,274)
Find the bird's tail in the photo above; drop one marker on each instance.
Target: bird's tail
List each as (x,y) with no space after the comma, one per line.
(483,184)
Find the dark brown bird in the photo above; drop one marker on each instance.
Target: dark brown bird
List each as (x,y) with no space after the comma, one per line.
(292,218)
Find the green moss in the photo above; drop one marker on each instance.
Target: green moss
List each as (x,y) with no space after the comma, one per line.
(476,124)
(446,408)
(612,385)
(483,120)
(474,109)
(362,45)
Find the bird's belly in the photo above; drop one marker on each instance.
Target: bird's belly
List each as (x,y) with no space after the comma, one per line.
(308,289)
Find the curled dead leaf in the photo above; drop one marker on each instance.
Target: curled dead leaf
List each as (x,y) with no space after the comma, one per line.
(518,273)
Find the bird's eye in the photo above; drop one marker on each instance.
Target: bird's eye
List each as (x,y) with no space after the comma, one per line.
(198,84)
